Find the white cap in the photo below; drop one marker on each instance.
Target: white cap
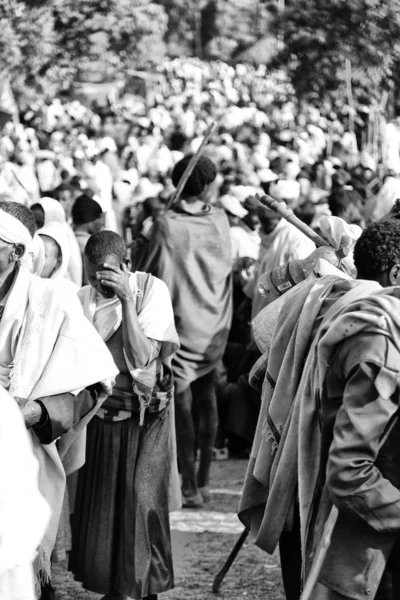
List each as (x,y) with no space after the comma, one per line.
(285,189)
(267,175)
(232,205)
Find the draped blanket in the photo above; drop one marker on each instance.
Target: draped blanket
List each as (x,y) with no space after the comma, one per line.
(376,313)
(272,475)
(190,251)
(48,347)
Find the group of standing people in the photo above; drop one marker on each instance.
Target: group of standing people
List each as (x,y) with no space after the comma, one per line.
(123,359)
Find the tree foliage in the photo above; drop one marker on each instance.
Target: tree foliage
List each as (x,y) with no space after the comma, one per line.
(61,40)
(319,36)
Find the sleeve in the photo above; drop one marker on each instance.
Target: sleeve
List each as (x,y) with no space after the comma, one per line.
(363,423)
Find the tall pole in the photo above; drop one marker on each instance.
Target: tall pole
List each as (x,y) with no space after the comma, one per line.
(197,20)
(281,10)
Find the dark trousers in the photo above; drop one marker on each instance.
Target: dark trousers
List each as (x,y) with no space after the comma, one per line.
(290,554)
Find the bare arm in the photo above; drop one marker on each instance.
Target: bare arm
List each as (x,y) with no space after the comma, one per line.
(136,345)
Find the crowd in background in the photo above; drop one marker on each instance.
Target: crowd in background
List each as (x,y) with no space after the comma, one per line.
(95,179)
(118,162)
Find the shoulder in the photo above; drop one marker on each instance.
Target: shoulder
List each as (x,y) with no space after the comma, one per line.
(150,282)
(83,293)
(371,348)
(55,293)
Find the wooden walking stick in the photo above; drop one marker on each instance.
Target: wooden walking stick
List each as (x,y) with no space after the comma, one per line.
(320,554)
(284,211)
(190,167)
(229,561)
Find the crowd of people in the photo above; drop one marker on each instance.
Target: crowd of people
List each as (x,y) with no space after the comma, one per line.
(142,338)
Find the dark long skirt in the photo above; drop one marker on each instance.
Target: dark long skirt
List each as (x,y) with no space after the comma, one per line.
(121,535)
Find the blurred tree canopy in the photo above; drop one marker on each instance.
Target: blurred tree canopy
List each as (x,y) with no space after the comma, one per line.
(53,41)
(318,37)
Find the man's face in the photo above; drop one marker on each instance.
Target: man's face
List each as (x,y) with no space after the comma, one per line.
(66,200)
(92,270)
(268,219)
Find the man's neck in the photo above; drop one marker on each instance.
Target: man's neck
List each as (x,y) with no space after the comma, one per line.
(6,281)
(81,229)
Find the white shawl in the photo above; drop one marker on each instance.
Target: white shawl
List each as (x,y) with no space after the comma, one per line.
(53,350)
(21,530)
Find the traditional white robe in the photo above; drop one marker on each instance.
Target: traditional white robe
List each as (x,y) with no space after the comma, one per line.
(48,347)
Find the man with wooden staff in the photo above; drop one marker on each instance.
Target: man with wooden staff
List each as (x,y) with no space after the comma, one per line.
(333,415)
(190,251)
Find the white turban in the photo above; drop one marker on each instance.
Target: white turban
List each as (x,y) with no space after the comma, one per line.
(13,231)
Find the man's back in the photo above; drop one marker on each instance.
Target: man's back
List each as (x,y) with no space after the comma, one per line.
(191,252)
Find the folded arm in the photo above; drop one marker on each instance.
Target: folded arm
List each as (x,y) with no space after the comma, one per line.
(362,424)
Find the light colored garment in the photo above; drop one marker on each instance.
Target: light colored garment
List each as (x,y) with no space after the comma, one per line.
(285,243)
(156,319)
(21,530)
(53,211)
(48,347)
(75,266)
(13,231)
(245,243)
(380,205)
(58,233)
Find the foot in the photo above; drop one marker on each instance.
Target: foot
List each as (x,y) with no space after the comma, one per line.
(193,501)
(205,493)
(220,454)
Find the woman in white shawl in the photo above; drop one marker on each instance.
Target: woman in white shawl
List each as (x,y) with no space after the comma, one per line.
(57,254)
(47,211)
(21,530)
(121,536)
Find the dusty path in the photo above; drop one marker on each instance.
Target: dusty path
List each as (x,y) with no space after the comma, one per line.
(201,542)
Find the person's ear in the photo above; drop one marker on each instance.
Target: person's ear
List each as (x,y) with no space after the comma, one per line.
(18,251)
(127,263)
(394,274)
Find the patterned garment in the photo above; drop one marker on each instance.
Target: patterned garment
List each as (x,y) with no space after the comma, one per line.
(123,402)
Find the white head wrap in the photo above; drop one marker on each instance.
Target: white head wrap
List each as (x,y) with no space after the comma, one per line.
(58,233)
(13,231)
(53,211)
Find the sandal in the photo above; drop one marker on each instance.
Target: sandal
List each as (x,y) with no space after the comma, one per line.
(195,501)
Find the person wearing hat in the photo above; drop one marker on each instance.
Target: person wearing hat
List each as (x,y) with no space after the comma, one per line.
(88,219)
(243,243)
(280,242)
(190,250)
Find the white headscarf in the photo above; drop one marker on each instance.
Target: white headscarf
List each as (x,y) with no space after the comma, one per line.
(58,233)
(53,211)
(13,231)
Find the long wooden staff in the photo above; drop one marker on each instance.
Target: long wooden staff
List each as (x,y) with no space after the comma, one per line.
(284,211)
(190,167)
(320,554)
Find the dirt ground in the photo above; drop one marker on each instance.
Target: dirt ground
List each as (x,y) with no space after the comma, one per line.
(201,544)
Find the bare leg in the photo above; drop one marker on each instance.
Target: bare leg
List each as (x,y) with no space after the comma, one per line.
(206,400)
(185,438)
